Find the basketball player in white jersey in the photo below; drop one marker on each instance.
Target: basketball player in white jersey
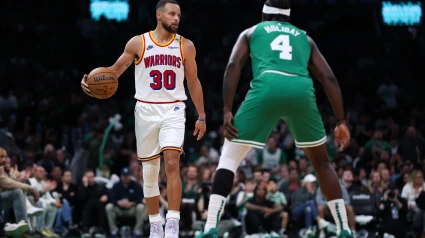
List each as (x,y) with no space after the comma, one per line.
(162,59)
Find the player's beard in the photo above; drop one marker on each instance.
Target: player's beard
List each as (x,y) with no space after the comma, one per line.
(169,28)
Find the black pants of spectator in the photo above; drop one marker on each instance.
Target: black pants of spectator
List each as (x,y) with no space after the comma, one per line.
(256,222)
(186,215)
(94,215)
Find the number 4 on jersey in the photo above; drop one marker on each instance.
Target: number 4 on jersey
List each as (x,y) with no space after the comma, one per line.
(281,43)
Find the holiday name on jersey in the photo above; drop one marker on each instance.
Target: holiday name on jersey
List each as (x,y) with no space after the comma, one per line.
(163,59)
(279,28)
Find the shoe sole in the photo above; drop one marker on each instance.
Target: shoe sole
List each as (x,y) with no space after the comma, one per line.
(35,214)
(18,231)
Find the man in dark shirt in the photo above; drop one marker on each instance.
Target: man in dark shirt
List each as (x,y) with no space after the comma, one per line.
(126,199)
(93,198)
(263,214)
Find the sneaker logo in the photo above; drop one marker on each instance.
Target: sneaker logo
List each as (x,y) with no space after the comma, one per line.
(176,108)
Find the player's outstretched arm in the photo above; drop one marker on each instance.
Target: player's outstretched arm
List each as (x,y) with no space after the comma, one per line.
(195,87)
(132,49)
(322,72)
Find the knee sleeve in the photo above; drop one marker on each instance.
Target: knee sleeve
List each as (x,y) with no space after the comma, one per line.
(150,178)
(232,155)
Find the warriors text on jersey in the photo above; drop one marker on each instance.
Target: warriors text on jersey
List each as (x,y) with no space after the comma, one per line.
(159,73)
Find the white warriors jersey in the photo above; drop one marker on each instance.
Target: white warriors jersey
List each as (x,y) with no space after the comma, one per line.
(159,73)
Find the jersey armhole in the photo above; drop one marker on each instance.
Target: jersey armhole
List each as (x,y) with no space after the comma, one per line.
(181,48)
(143,50)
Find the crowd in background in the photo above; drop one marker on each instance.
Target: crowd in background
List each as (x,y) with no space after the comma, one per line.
(52,132)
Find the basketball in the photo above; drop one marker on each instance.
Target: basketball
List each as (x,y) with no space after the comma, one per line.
(103,83)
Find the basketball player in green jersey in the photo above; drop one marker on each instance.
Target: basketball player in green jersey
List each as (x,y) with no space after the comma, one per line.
(282,57)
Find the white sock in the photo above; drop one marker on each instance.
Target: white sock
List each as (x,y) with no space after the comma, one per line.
(215,208)
(173,215)
(339,213)
(155,218)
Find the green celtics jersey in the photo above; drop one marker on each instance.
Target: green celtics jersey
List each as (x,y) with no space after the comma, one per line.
(279,46)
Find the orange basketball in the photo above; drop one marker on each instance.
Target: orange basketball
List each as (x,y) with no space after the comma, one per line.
(103,83)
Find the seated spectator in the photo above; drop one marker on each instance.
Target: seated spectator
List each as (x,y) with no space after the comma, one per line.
(93,198)
(393,212)
(303,205)
(190,189)
(242,198)
(278,198)
(347,181)
(49,204)
(377,144)
(68,195)
(322,206)
(12,196)
(271,157)
(266,177)
(262,214)
(258,176)
(126,201)
(410,192)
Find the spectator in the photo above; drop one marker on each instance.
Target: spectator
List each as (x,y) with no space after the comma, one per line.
(190,192)
(258,176)
(393,212)
(279,199)
(412,146)
(93,198)
(377,144)
(126,200)
(292,184)
(68,194)
(347,181)
(410,192)
(303,205)
(49,158)
(12,196)
(322,206)
(56,174)
(284,175)
(271,157)
(263,214)
(49,204)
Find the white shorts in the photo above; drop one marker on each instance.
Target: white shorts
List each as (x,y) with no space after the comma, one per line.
(159,127)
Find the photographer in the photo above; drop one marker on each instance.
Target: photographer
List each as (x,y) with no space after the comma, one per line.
(393,212)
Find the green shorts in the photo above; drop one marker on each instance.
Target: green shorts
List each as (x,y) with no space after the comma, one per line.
(273,97)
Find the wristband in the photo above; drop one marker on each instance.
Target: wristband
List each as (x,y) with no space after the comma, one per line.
(202,119)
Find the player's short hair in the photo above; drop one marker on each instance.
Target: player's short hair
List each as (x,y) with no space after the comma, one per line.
(281,4)
(162,3)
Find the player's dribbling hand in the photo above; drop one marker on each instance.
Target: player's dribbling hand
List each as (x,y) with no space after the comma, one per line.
(84,86)
(230,132)
(200,128)
(342,136)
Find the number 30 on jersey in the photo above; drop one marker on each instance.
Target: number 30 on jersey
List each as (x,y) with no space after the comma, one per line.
(167,79)
(281,43)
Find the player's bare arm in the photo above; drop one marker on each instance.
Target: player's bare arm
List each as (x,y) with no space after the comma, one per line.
(237,60)
(130,55)
(194,86)
(322,72)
